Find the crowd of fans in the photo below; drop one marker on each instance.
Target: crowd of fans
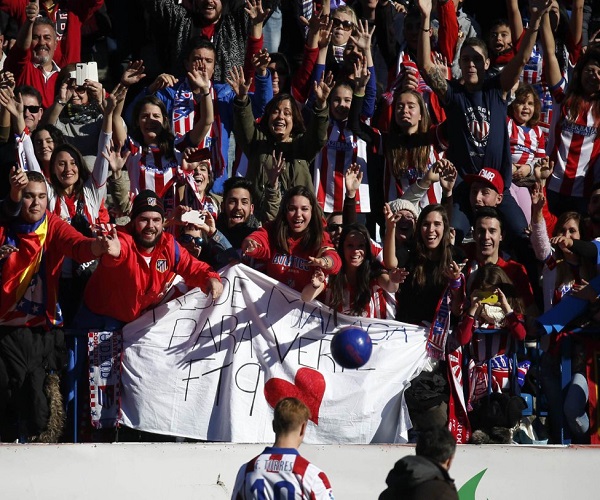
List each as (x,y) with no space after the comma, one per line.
(429,161)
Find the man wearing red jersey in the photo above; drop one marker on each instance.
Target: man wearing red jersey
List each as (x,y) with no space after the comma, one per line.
(280,467)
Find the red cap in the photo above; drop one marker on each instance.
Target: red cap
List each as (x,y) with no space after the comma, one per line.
(488,176)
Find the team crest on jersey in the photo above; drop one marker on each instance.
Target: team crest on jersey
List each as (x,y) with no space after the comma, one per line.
(161,265)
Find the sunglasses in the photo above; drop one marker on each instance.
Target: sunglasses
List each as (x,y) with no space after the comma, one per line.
(32,109)
(333,227)
(345,25)
(188,238)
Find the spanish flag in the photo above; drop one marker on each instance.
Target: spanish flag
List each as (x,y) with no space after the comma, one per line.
(23,282)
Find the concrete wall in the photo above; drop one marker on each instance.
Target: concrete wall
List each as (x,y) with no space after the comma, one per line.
(207,471)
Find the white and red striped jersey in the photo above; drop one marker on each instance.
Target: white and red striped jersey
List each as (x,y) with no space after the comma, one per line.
(527,144)
(574,146)
(342,149)
(281,473)
(533,74)
(148,168)
(395,188)
(382,304)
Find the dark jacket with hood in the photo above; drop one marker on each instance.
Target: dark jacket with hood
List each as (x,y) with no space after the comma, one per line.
(418,478)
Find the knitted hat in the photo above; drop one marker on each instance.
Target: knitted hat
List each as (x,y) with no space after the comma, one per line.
(488,176)
(147,201)
(400,204)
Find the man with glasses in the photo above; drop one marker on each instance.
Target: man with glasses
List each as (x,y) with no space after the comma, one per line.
(32,105)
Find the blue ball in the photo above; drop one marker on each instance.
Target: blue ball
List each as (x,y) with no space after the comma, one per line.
(351,347)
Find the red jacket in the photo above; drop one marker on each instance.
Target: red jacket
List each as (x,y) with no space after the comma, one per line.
(291,268)
(125,287)
(68,16)
(38,304)
(19,63)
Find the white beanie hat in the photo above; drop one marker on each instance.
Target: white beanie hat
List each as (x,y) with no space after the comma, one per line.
(401,204)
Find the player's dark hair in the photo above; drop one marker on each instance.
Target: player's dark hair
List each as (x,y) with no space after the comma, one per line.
(437,444)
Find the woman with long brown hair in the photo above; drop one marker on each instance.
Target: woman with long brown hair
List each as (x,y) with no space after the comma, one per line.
(295,242)
(430,260)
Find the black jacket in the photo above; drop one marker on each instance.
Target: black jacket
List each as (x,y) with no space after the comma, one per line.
(418,478)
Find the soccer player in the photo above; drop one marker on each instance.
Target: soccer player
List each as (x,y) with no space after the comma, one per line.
(280,467)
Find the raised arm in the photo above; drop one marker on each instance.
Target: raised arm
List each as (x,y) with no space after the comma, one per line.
(390,261)
(431,73)
(515,21)
(552,71)
(100,171)
(576,23)
(509,76)
(133,74)
(200,83)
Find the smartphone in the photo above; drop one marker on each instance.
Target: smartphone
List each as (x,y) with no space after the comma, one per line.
(85,71)
(487,297)
(193,217)
(199,155)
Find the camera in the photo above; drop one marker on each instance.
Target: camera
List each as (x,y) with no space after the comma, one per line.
(85,71)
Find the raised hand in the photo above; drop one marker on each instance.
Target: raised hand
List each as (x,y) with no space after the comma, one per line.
(322,88)
(448,174)
(255,11)
(18,179)
(542,169)
(260,61)
(8,101)
(116,159)
(325,31)
(538,200)
(539,7)
(273,173)
(133,74)
(162,81)
(118,94)
(32,11)
(199,79)
(7,80)
(353,179)
(362,75)
(95,90)
(390,217)
(425,7)
(238,82)
(398,275)
(363,34)
(520,171)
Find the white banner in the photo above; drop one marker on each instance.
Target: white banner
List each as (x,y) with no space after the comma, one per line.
(214,372)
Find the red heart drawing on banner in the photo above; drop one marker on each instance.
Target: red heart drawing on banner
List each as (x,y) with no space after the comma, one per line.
(308,387)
